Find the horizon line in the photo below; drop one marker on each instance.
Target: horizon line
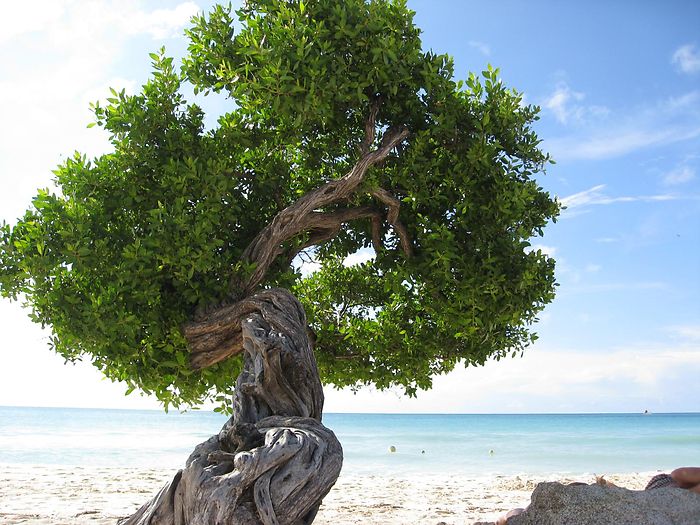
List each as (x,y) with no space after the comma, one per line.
(195,409)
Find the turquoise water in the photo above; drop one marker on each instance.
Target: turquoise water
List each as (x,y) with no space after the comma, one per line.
(425,444)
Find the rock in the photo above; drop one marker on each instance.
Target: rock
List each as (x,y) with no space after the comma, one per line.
(557,504)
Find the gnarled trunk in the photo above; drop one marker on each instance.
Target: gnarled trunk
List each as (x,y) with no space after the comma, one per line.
(273,461)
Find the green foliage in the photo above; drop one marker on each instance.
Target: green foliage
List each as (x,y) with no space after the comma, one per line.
(139,238)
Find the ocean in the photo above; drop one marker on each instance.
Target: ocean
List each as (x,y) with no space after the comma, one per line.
(425,444)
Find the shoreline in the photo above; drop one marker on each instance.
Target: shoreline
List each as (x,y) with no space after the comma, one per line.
(66,495)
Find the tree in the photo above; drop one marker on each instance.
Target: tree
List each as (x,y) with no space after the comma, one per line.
(180,249)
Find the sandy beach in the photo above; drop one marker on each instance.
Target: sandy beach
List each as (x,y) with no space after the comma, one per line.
(56,495)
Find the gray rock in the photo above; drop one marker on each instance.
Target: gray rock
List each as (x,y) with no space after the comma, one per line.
(557,504)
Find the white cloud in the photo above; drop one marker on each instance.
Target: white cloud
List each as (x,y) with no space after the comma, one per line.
(28,17)
(575,279)
(689,333)
(68,20)
(481,47)
(26,354)
(673,120)
(617,287)
(685,102)
(162,23)
(627,140)
(66,59)
(687,59)
(564,103)
(102,91)
(547,250)
(544,380)
(595,196)
(57,56)
(582,198)
(679,175)
(548,380)
(558,102)
(307,266)
(359,257)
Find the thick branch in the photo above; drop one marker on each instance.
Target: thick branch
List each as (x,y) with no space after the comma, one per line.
(291,221)
(377,234)
(370,126)
(323,226)
(393,218)
(219,335)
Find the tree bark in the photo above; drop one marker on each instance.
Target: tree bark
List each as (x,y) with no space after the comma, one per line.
(273,461)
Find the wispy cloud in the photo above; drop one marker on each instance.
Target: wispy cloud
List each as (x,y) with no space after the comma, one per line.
(63,20)
(686,59)
(583,198)
(688,333)
(559,102)
(679,175)
(595,196)
(629,140)
(565,105)
(672,120)
(617,287)
(571,275)
(163,23)
(481,47)
(547,250)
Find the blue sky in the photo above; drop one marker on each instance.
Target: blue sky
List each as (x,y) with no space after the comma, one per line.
(619,84)
(619,87)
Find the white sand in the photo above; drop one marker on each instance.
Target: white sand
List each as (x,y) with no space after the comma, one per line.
(51,495)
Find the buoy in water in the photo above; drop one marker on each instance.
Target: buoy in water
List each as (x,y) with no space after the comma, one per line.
(392,448)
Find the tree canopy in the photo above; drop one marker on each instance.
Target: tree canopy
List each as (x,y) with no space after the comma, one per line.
(343,134)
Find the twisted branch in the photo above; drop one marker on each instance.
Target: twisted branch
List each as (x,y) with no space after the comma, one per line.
(325,226)
(393,218)
(291,221)
(219,335)
(370,126)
